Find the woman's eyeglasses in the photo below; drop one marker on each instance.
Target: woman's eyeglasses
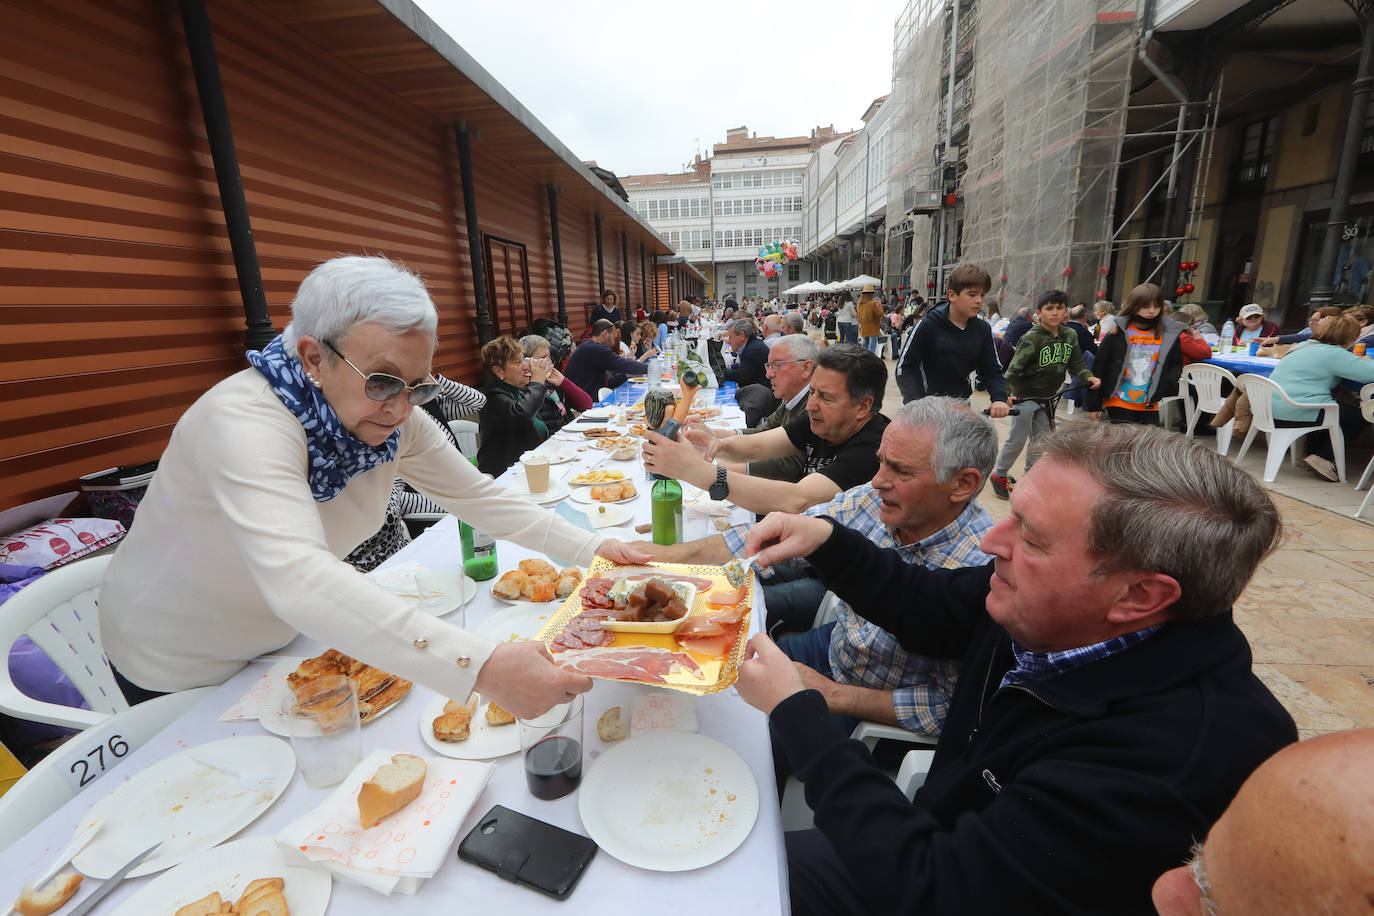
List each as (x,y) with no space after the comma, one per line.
(382,387)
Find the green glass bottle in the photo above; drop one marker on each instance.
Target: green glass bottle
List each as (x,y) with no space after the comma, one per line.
(479,550)
(666,502)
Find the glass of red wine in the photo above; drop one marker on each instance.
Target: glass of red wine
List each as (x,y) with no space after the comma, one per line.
(551,748)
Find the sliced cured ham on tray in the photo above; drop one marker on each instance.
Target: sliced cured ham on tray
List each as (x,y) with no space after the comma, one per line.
(705,658)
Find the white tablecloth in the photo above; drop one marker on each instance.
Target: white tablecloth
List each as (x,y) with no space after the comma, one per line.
(750,880)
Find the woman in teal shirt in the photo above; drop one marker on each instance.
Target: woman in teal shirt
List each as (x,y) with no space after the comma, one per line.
(1309,371)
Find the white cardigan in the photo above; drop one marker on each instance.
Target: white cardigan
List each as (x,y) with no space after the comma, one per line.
(231,556)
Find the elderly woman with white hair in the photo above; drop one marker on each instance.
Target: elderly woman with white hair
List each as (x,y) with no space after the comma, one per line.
(280,470)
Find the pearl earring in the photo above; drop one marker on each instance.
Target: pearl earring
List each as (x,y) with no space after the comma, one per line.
(314,381)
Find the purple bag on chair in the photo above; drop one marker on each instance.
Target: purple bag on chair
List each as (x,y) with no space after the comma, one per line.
(31,670)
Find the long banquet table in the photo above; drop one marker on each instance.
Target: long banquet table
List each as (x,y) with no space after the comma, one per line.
(752,879)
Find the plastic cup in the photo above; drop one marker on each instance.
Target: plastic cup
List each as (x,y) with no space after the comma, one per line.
(321,719)
(536,473)
(1254,348)
(551,749)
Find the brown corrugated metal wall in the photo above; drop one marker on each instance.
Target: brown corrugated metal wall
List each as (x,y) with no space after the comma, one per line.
(119,304)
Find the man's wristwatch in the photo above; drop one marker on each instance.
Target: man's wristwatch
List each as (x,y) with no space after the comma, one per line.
(721,488)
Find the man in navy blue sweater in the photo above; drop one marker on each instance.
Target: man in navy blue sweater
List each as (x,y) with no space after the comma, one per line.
(595,364)
(1106,710)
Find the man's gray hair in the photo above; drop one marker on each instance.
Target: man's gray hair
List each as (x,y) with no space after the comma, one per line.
(352,290)
(793,320)
(1171,505)
(746,327)
(960,437)
(799,345)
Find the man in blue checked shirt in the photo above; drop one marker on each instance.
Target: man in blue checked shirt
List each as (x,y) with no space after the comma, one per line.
(933,460)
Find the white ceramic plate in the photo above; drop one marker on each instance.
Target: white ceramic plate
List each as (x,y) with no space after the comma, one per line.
(597,483)
(558,454)
(278,690)
(584,495)
(523,621)
(229,869)
(670,802)
(434,591)
(187,806)
(614,515)
(557,490)
(485,743)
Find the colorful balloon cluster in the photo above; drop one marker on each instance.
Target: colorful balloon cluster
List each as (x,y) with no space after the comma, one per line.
(775,254)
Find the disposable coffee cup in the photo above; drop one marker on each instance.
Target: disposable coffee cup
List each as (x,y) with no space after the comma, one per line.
(536,473)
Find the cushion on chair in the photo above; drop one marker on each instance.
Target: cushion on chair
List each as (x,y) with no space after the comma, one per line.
(58,541)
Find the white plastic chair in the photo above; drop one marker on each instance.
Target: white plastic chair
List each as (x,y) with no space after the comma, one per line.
(796,814)
(465,431)
(45,788)
(1205,380)
(1261,392)
(1366,411)
(58,612)
(1166,406)
(603,395)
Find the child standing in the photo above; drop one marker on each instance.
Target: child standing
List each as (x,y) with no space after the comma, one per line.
(1139,358)
(1036,370)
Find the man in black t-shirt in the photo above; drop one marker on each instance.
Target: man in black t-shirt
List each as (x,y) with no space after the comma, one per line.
(838,437)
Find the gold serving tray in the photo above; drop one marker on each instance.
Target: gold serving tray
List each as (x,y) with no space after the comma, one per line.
(718,672)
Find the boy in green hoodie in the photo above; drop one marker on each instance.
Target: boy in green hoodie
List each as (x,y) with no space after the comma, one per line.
(1037,370)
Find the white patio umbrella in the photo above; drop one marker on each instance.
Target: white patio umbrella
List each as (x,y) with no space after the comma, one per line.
(861,281)
(799,288)
(835,287)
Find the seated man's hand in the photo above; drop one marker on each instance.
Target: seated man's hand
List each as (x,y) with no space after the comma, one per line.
(767,676)
(814,680)
(998,409)
(523,680)
(1094,382)
(781,537)
(622,554)
(675,458)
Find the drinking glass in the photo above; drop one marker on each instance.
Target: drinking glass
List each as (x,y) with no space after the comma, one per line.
(322,720)
(551,748)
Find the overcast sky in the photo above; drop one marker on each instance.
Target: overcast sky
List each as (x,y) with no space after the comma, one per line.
(642,86)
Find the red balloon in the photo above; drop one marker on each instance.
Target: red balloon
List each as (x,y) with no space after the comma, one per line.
(1179,291)
(930,284)
(1067,271)
(1103,270)
(1102,294)
(1188,287)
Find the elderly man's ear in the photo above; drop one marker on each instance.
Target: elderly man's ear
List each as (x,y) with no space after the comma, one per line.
(964,485)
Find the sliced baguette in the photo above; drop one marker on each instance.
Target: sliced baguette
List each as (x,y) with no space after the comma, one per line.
(391,788)
(205,906)
(269,904)
(258,888)
(48,899)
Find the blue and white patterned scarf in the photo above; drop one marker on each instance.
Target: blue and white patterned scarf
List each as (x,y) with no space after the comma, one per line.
(335,455)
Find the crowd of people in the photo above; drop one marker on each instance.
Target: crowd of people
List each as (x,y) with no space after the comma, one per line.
(1104,744)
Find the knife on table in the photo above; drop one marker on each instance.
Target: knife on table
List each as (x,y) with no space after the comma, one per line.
(89,903)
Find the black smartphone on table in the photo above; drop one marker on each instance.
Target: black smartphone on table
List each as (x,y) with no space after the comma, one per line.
(527,851)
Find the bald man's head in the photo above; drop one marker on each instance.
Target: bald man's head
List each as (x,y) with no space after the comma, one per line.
(1298,838)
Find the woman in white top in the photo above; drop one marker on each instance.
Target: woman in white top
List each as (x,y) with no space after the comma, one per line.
(280,470)
(848,320)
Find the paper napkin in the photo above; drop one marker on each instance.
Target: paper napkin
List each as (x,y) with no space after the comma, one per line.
(398,854)
(250,705)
